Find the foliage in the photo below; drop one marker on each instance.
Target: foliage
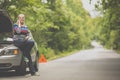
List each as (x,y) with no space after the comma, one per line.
(111,23)
(57,25)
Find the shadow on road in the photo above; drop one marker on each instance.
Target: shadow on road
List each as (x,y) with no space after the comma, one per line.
(10,74)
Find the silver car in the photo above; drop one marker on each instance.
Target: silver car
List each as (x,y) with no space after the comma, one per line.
(11,57)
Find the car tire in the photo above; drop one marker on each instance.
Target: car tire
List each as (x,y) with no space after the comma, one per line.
(22,68)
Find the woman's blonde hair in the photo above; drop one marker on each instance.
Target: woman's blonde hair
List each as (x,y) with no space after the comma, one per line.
(20,15)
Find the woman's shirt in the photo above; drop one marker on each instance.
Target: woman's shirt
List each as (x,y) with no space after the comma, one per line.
(20,32)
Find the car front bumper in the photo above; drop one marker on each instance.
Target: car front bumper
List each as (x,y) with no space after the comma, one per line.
(10,61)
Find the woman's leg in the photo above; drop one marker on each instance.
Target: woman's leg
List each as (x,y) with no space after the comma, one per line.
(28,46)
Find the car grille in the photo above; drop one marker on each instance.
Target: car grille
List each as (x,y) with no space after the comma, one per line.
(4,65)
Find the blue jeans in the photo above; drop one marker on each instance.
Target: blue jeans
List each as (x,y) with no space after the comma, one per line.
(25,47)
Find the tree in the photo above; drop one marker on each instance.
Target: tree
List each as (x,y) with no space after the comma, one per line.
(57,26)
(111,23)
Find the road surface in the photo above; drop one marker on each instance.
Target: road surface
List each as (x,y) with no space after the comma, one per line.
(93,64)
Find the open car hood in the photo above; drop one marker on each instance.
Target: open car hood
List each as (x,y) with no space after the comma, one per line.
(5,22)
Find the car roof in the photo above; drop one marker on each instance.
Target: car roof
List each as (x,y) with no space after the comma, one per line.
(5,22)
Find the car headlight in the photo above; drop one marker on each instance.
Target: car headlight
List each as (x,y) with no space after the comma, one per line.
(11,52)
(16,51)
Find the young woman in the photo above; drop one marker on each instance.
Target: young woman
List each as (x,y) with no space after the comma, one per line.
(22,40)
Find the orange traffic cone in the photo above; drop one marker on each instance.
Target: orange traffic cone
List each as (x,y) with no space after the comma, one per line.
(42,59)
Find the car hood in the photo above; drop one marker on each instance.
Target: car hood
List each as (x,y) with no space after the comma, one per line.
(7,46)
(5,22)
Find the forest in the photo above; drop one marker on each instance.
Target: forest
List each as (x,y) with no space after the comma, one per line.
(60,26)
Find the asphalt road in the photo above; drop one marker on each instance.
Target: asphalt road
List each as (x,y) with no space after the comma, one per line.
(93,64)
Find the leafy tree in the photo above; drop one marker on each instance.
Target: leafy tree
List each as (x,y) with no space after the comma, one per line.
(57,25)
(111,23)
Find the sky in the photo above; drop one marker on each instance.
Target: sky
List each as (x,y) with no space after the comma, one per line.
(90,7)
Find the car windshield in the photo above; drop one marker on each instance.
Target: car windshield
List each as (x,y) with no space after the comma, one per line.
(5,37)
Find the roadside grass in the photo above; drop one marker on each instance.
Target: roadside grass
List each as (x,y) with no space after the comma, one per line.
(50,54)
(118,51)
(62,55)
(67,53)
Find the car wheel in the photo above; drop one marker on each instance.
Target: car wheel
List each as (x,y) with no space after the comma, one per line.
(36,65)
(22,68)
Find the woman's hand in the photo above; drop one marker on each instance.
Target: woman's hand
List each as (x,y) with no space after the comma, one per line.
(26,38)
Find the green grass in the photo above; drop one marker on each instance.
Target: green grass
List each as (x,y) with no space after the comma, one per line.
(65,54)
(118,51)
(62,55)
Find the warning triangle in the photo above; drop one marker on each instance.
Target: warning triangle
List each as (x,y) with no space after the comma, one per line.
(42,59)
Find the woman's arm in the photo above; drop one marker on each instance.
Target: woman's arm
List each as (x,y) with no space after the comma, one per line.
(28,36)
